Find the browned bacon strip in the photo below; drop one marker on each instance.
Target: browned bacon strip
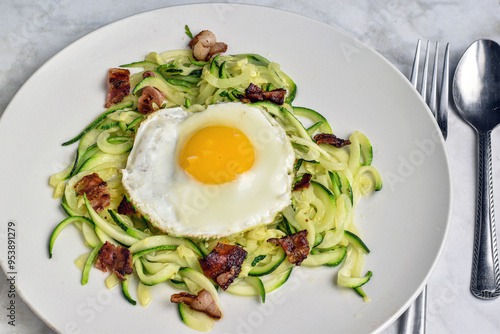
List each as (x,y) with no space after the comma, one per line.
(88,182)
(126,207)
(95,189)
(119,85)
(296,246)
(304,182)
(150,100)
(276,96)
(254,93)
(116,259)
(204,302)
(329,138)
(99,197)
(223,264)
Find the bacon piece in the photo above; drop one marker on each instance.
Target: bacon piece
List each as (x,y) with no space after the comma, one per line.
(276,96)
(216,49)
(205,37)
(95,189)
(88,182)
(296,246)
(149,98)
(126,207)
(149,74)
(254,93)
(99,197)
(119,85)
(223,264)
(205,45)
(116,259)
(304,182)
(204,302)
(329,138)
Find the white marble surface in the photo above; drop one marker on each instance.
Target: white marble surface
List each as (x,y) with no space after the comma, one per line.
(32,31)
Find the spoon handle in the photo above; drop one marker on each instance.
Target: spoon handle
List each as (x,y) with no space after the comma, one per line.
(485,281)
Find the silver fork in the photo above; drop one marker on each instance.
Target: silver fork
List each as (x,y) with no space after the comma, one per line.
(441,112)
(414,319)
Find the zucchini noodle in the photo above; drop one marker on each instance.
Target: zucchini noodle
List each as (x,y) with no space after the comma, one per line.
(340,177)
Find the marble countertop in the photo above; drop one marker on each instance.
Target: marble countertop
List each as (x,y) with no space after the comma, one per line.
(32,31)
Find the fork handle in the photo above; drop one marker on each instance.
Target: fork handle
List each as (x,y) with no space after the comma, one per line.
(414,319)
(485,280)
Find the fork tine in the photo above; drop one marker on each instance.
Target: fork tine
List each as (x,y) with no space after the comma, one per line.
(423,87)
(440,112)
(414,70)
(433,98)
(442,115)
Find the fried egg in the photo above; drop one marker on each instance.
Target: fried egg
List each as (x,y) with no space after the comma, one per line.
(212,173)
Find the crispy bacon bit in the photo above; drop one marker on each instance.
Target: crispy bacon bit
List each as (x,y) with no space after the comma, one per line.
(119,85)
(99,197)
(95,189)
(329,138)
(205,45)
(88,182)
(276,96)
(204,302)
(304,182)
(149,74)
(217,48)
(126,207)
(223,264)
(116,259)
(296,246)
(150,100)
(255,94)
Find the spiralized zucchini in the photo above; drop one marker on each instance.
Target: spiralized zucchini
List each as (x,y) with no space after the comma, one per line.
(340,177)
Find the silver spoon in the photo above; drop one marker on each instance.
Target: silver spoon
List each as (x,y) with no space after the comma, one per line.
(476,92)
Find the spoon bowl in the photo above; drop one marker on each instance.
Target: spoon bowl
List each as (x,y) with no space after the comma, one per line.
(476,93)
(476,85)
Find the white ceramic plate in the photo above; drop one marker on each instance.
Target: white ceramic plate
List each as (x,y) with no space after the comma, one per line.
(404,224)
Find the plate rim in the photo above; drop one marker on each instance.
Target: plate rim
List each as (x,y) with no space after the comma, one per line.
(89,35)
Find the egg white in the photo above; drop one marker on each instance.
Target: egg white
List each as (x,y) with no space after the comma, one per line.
(177,203)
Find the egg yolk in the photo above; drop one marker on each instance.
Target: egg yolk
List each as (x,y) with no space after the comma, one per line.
(217,154)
